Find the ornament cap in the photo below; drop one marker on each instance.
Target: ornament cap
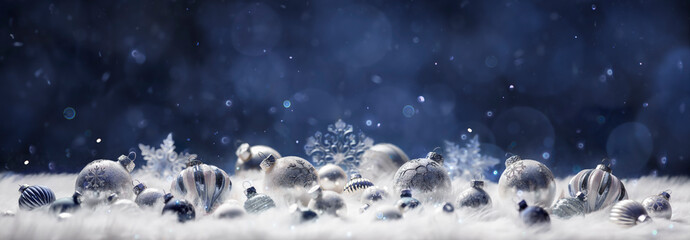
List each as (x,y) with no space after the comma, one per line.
(126,162)
(268,162)
(405,193)
(477,184)
(604,168)
(167,197)
(436,157)
(665,194)
(581,196)
(643,218)
(193,162)
(355,176)
(23,187)
(243,153)
(316,192)
(76,198)
(139,188)
(112,198)
(522,205)
(448,207)
(512,159)
(250,192)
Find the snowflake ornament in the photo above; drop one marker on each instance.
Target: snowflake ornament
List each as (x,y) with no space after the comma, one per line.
(467,161)
(340,146)
(164,162)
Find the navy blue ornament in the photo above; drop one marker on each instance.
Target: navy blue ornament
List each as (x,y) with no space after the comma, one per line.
(67,204)
(33,197)
(533,215)
(406,201)
(357,183)
(448,208)
(183,209)
(475,196)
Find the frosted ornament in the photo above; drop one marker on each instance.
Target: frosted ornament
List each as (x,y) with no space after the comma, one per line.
(250,157)
(332,178)
(423,174)
(658,206)
(148,197)
(566,208)
(527,180)
(103,177)
(373,194)
(382,158)
(288,172)
(475,196)
(256,202)
(326,202)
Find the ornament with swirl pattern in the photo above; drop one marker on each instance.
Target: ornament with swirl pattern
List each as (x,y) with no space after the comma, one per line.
(341,145)
(164,162)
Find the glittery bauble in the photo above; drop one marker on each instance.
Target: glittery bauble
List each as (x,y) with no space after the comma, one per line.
(205,185)
(601,188)
(407,202)
(628,213)
(658,206)
(288,172)
(326,202)
(387,213)
(475,196)
(67,204)
(33,197)
(526,179)
(357,184)
(181,207)
(373,194)
(257,203)
(423,174)
(533,215)
(332,178)
(383,158)
(571,206)
(148,197)
(229,211)
(250,157)
(103,177)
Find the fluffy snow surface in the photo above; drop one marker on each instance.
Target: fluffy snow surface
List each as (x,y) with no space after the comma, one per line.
(427,222)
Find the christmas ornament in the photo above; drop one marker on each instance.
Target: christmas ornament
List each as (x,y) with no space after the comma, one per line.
(357,184)
(103,177)
(229,211)
(288,172)
(332,178)
(326,202)
(568,207)
(33,197)
(148,197)
(601,188)
(407,202)
(423,174)
(387,213)
(340,146)
(181,207)
(628,213)
(66,204)
(164,162)
(257,203)
(533,215)
(373,194)
(658,205)
(475,196)
(447,208)
(303,215)
(382,158)
(527,179)
(466,161)
(119,204)
(250,157)
(205,185)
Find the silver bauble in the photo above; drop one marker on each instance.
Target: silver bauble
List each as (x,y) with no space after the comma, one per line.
(383,158)
(423,174)
(373,194)
(407,202)
(326,202)
(148,197)
(103,177)
(357,184)
(526,179)
(475,196)
(66,204)
(566,208)
(601,188)
(628,213)
(387,213)
(250,157)
(122,204)
(257,203)
(204,185)
(229,211)
(332,178)
(658,206)
(533,215)
(288,172)
(33,197)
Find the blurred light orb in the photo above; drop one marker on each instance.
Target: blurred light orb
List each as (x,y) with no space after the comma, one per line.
(408,111)
(287,104)
(631,145)
(256,30)
(225,140)
(609,72)
(491,61)
(368,122)
(69,113)
(546,155)
(138,56)
(420,99)
(228,103)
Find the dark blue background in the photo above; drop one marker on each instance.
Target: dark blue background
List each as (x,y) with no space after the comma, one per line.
(590,79)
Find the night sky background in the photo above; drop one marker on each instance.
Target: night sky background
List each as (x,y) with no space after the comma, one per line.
(564,82)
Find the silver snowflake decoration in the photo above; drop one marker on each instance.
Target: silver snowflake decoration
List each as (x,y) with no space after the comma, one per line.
(340,146)
(95,178)
(164,162)
(467,161)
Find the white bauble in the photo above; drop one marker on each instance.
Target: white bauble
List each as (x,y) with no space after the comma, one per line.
(527,180)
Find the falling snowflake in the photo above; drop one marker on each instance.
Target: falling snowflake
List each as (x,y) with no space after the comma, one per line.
(95,178)
(467,161)
(164,162)
(340,146)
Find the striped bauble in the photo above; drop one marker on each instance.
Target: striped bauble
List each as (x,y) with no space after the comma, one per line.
(33,197)
(601,188)
(357,183)
(204,185)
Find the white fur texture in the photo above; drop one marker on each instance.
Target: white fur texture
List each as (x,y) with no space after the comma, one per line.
(499,222)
